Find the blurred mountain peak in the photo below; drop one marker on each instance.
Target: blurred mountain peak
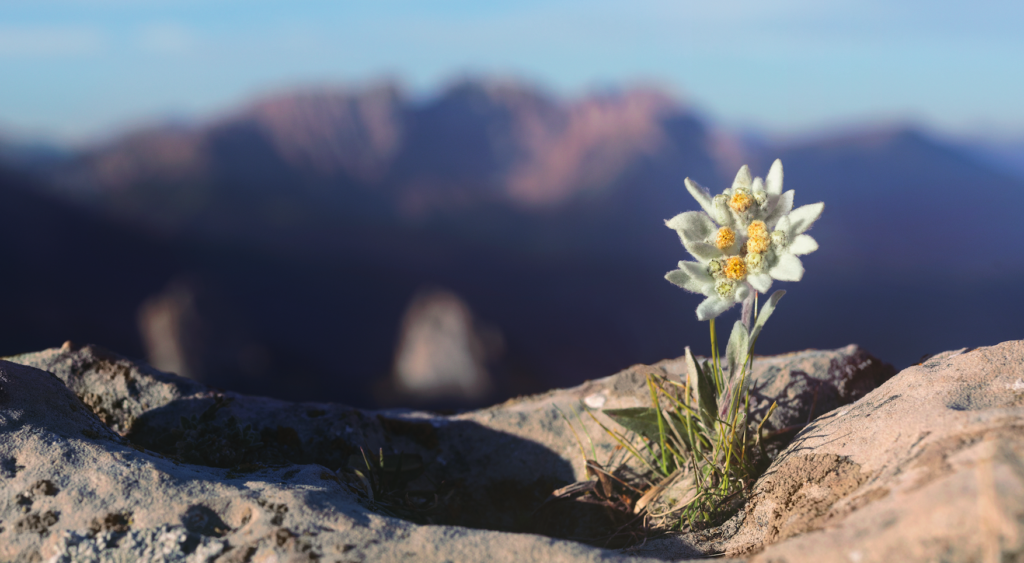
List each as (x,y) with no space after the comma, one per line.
(328,131)
(477,140)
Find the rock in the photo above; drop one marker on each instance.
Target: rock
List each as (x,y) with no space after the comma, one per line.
(441,352)
(173,332)
(927,467)
(82,490)
(115,388)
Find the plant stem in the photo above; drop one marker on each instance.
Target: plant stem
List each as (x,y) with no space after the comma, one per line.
(661,424)
(716,361)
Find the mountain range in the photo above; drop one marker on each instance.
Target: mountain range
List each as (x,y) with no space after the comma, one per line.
(294,231)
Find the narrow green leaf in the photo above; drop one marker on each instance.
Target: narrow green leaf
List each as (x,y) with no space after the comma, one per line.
(691,370)
(703,388)
(661,424)
(762,316)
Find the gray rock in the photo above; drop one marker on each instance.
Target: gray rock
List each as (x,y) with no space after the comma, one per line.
(927,467)
(121,491)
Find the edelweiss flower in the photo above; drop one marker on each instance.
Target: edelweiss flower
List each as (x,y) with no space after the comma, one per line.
(747,200)
(788,242)
(747,236)
(719,272)
(721,280)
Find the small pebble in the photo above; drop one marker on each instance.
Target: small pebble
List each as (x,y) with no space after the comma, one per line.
(595,401)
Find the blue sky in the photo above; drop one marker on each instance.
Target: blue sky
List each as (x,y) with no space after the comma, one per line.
(77,69)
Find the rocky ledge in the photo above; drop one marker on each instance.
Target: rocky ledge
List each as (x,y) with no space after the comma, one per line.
(105,459)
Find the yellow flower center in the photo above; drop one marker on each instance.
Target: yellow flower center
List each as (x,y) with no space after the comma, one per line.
(740,201)
(735,269)
(757,229)
(758,244)
(724,238)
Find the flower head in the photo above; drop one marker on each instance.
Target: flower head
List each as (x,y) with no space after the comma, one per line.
(725,238)
(746,237)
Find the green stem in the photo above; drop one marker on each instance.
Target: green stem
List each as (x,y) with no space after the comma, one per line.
(715,360)
(661,423)
(622,442)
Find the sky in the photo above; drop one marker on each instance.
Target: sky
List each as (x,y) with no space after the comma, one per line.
(75,70)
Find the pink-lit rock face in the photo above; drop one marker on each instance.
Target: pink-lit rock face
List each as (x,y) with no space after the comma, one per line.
(485,141)
(330,132)
(587,147)
(172,155)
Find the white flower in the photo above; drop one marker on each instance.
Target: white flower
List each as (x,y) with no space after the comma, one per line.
(747,200)
(746,237)
(789,241)
(715,280)
(719,272)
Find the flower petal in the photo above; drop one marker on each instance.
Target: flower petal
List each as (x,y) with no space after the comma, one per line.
(758,185)
(697,271)
(741,293)
(803,217)
(773,182)
(760,282)
(685,281)
(712,307)
(702,251)
(803,244)
(783,225)
(692,225)
(701,194)
(782,207)
(788,268)
(742,178)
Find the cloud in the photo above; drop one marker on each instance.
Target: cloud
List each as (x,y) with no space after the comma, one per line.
(50,41)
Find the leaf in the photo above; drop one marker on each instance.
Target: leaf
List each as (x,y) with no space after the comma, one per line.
(758,185)
(697,271)
(702,251)
(762,316)
(742,178)
(805,216)
(748,310)
(704,388)
(783,225)
(685,281)
(701,194)
(788,268)
(642,420)
(736,350)
(692,226)
(803,244)
(782,207)
(712,307)
(773,182)
(761,282)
